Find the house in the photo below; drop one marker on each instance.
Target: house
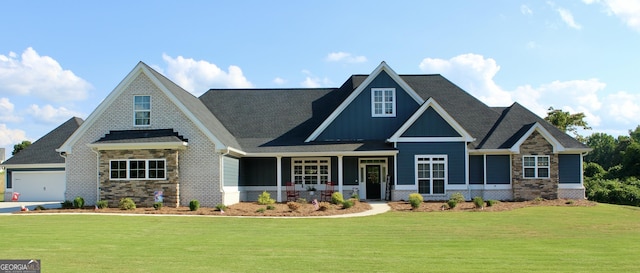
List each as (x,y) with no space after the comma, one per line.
(381,136)
(37,172)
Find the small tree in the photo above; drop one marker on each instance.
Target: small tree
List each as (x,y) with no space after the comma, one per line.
(20,146)
(567,122)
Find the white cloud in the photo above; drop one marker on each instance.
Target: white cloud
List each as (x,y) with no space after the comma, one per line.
(524,9)
(39,76)
(567,17)
(50,114)
(6,111)
(624,107)
(475,74)
(627,10)
(11,136)
(312,81)
(199,76)
(345,57)
(279,81)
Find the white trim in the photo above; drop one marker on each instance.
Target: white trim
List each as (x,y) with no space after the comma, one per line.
(146,169)
(536,167)
(557,147)
(139,146)
(136,111)
(384,171)
(406,188)
(570,186)
(486,187)
(324,154)
(279,178)
(453,187)
(340,173)
(431,103)
(431,178)
(383,102)
(382,67)
(33,166)
(318,164)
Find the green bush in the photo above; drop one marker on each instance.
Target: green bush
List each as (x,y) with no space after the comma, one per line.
(293,206)
(265,199)
(127,204)
(458,197)
(355,196)
(347,204)
(102,204)
(492,202)
(261,210)
(478,202)
(194,205)
(67,204)
(271,207)
(78,202)
(157,205)
(415,199)
(337,198)
(221,207)
(452,203)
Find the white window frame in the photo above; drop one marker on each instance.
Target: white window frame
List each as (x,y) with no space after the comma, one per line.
(431,160)
(146,169)
(383,104)
(136,111)
(536,166)
(322,167)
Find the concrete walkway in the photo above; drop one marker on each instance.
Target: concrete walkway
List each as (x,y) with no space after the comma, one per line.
(377,207)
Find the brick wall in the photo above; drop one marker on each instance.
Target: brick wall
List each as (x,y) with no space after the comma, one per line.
(527,188)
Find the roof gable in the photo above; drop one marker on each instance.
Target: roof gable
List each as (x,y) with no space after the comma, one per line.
(431,123)
(382,68)
(43,150)
(183,100)
(536,127)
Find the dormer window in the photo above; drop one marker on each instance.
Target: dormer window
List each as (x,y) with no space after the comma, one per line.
(142,110)
(383,102)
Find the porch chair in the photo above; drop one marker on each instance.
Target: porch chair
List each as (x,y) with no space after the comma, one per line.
(292,194)
(325,195)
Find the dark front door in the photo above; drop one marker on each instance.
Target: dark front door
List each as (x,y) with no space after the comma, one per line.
(374,177)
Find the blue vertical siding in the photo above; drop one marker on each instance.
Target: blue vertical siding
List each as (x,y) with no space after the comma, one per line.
(430,124)
(569,171)
(355,122)
(476,169)
(498,169)
(286,170)
(231,171)
(455,152)
(258,171)
(350,169)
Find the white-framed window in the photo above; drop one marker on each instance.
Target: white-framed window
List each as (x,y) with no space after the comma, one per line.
(137,169)
(431,173)
(535,166)
(141,110)
(383,102)
(313,171)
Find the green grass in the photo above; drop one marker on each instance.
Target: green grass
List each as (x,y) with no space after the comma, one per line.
(604,238)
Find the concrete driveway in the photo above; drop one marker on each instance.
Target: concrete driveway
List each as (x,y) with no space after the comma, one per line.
(9,207)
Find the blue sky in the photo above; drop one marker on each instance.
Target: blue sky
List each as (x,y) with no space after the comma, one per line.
(60,59)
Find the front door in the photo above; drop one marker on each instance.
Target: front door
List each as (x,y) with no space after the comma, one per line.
(374,179)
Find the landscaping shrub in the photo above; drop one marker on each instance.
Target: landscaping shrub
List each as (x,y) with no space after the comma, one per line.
(194,205)
(78,202)
(157,205)
(458,197)
(452,203)
(67,204)
(102,204)
(271,207)
(261,210)
(347,204)
(492,202)
(324,206)
(415,199)
(337,198)
(355,196)
(614,191)
(478,202)
(265,199)
(221,207)
(127,204)
(293,206)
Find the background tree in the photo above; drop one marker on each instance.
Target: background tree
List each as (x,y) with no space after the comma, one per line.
(603,146)
(567,122)
(20,146)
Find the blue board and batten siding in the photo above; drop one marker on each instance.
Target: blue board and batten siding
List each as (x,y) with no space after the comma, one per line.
(356,122)
(455,152)
(230,171)
(569,171)
(430,124)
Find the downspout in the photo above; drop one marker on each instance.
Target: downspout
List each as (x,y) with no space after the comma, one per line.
(97,174)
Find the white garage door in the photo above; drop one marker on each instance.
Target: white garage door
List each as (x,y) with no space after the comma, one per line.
(39,186)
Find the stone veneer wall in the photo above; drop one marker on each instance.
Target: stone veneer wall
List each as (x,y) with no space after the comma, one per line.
(140,191)
(529,189)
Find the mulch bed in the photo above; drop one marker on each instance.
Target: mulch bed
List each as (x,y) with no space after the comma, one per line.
(432,206)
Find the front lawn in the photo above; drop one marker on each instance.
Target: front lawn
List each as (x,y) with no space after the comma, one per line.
(603,238)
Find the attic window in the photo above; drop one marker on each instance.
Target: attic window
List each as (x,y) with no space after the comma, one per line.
(383,102)
(142,110)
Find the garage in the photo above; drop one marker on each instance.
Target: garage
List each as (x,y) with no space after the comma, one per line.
(39,185)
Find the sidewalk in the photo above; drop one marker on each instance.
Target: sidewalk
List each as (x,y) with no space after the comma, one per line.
(9,207)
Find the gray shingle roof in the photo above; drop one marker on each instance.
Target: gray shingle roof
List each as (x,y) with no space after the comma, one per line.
(43,150)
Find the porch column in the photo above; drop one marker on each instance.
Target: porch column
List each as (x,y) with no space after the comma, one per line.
(279,178)
(340,174)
